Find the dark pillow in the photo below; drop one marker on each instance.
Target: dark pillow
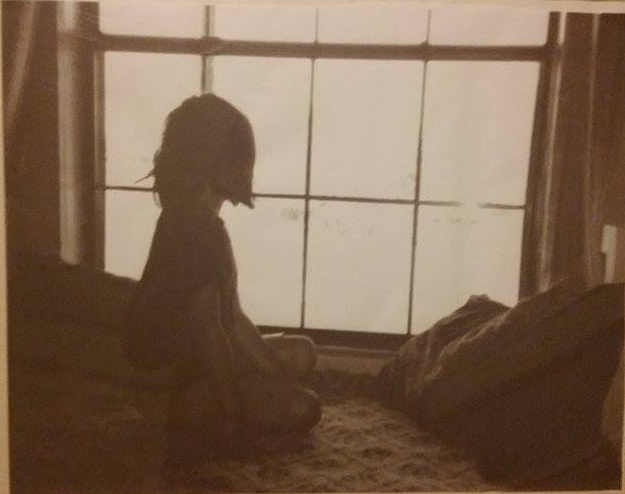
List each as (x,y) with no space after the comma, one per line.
(56,289)
(400,379)
(523,390)
(517,341)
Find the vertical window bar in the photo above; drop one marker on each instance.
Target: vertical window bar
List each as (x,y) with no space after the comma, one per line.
(99,148)
(308,172)
(207,66)
(417,188)
(539,141)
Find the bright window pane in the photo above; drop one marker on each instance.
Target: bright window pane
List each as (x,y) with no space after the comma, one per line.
(177,19)
(140,90)
(268,246)
(462,252)
(275,95)
(477,131)
(130,219)
(365,134)
(264,23)
(495,26)
(358,266)
(374,23)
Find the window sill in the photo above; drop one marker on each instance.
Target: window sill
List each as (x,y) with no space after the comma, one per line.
(352,360)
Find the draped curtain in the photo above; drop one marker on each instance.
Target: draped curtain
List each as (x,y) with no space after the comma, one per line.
(577,190)
(18,61)
(31,132)
(611,132)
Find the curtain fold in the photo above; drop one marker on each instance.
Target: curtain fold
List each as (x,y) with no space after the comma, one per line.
(19,33)
(30,104)
(610,132)
(582,158)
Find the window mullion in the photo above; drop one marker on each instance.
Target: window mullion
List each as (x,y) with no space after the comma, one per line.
(417,189)
(207,65)
(308,173)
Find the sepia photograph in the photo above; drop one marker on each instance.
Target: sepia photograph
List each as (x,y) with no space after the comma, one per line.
(307,247)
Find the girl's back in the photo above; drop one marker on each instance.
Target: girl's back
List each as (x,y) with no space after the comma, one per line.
(189,250)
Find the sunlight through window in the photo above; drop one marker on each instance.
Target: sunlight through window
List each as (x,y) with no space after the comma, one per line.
(362,135)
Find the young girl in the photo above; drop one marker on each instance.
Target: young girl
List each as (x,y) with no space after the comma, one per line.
(229,380)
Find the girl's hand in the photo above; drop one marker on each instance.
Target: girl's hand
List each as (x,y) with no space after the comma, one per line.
(258,352)
(256,349)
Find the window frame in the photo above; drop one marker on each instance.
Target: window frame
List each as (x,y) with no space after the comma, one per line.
(208,46)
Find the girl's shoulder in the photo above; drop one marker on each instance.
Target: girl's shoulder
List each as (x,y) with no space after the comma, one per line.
(184,241)
(192,226)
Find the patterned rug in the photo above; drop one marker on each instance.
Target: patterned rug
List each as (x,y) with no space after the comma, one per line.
(82,421)
(359,446)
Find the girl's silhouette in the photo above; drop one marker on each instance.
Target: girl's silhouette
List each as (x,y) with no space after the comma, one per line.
(230,381)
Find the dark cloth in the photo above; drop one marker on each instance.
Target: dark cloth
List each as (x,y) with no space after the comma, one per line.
(190,249)
(521,389)
(401,379)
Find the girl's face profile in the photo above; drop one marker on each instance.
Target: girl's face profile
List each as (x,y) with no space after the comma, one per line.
(245,167)
(246,182)
(239,172)
(236,181)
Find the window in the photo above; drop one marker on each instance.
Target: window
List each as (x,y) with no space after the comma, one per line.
(393,150)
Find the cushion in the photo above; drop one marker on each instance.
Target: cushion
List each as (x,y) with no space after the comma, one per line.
(400,379)
(515,342)
(523,389)
(53,288)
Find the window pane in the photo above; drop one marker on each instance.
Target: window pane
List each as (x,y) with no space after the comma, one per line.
(461,252)
(374,23)
(495,26)
(177,19)
(275,96)
(365,135)
(140,90)
(264,23)
(477,131)
(130,219)
(268,245)
(358,271)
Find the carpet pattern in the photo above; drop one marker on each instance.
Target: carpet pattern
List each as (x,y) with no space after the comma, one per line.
(82,422)
(359,446)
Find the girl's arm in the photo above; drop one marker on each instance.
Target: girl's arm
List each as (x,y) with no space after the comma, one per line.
(251,342)
(213,346)
(246,334)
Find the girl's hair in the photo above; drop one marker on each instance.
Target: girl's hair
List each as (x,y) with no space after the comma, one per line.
(206,141)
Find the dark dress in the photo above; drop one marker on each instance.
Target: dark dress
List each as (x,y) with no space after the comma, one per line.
(189,250)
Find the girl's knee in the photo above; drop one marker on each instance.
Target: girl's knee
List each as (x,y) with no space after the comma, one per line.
(305,410)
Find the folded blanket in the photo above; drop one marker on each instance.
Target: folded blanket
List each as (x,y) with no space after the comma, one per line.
(54,288)
(401,380)
(522,388)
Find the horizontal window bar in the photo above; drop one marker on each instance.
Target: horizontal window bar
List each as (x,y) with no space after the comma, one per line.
(493,205)
(124,187)
(312,197)
(440,203)
(216,46)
